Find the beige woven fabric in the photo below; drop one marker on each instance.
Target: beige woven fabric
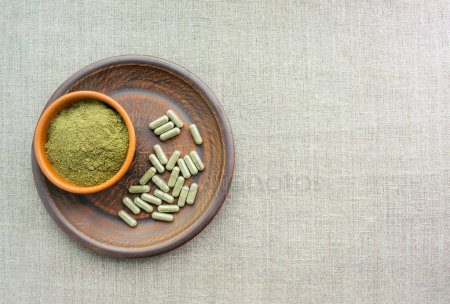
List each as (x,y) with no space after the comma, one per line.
(341,117)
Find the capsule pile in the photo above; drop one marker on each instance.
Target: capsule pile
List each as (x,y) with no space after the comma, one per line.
(181,168)
(166,126)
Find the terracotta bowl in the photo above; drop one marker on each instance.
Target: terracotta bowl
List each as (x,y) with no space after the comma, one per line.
(40,139)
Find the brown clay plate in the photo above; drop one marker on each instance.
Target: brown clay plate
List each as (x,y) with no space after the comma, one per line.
(146,87)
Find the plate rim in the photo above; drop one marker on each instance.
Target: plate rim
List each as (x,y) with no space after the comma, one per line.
(206,218)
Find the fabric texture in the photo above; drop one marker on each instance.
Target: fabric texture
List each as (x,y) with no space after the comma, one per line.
(341,118)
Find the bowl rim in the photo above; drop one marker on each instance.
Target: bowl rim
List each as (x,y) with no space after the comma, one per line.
(40,138)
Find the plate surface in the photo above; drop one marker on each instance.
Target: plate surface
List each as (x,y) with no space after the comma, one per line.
(146,87)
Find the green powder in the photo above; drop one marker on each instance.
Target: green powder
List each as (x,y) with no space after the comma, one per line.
(87,143)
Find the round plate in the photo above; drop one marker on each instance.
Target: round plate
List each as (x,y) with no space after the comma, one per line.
(146,87)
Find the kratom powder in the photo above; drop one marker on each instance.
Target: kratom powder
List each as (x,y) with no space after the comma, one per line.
(87,143)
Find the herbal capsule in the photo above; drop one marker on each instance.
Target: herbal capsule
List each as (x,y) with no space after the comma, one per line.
(151,199)
(184,169)
(162,216)
(164,128)
(174,117)
(158,122)
(169,134)
(139,189)
(160,154)
(190,164)
(129,203)
(173,177)
(183,195)
(155,162)
(178,186)
(197,160)
(192,193)
(195,134)
(158,181)
(143,205)
(147,176)
(127,218)
(168,208)
(164,196)
(173,160)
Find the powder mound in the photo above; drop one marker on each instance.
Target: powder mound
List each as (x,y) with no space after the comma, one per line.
(87,143)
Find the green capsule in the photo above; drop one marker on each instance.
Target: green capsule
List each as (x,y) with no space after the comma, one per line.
(165,217)
(160,154)
(184,169)
(192,193)
(197,160)
(151,199)
(190,164)
(173,160)
(164,196)
(174,117)
(147,176)
(195,134)
(143,205)
(168,208)
(139,189)
(178,185)
(158,181)
(127,218)
(173,177)
(158,122)
(164,128)
(155,162)
(129,203)
(183,195)
(169,134)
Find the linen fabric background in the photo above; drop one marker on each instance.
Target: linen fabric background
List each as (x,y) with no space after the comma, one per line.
(341,118)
